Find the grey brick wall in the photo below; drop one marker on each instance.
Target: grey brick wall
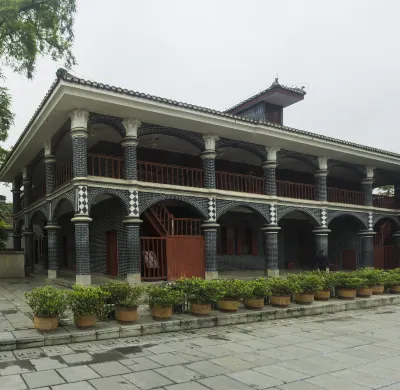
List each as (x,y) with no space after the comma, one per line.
(322,244)
(133,256)
(321,186)
(367,251)
(82,248)
(271,250)
(366,188)
(210,242)
(209,172)
(79,154)
(53,244)
(256,112)
(50,167)
(130,157)
(270,179)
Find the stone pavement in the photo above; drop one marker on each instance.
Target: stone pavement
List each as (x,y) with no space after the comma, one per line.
(351,350)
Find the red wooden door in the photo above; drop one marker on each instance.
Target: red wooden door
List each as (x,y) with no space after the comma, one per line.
(379,256)
(185,257)
(349,259)
(112,253)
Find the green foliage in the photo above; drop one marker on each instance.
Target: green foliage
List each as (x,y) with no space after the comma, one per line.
(5,215)
(327,279)
(281,286)
(306,282)
(392,277)
(88,301)
(233,288)
(348,280)
(47,301)
(124,294)
(164,296)
(372,277)
(202,291)
(258,288)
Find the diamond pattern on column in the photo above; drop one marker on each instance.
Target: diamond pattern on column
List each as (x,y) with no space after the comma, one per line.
(133,204)
(212,209)
(370,221)
(324,217)
(83,204)
(273,214)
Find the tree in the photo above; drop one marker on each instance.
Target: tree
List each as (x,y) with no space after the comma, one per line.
(30,29)
(5,216)
(385,190)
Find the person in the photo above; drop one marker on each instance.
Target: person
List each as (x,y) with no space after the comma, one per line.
(322,261)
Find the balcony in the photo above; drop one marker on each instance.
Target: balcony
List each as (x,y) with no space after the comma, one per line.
(385,202)
(340,195)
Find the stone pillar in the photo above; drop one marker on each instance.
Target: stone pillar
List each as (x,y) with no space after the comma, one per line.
(320,179)
(28,250)
(17,237)
(367,248)
(27,182)
(132,237)
(53,249)
(82,249)
(129,143)
(397,194)
(269,167)
(396,236)
(321,241)
(46,250)
(208,157)
(50,166)
(210,242)
(16,191)
(366,186)
(79,119)
(271,250)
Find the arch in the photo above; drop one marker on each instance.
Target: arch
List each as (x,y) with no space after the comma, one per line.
(307,160)
(392,218)
(340,164)
(146,201)
(361,219)
(224,206)
(282,212)
(58,203)
(112,121)
(123,196)
(39,212)
(189,136)
(257,150)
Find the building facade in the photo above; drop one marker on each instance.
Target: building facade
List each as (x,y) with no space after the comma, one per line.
(108,180)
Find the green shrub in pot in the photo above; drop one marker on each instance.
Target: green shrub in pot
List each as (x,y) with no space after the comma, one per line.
(348,280)
(162,298)
(255,293)
(282,290)
(234,290)
(392,281)
(306,282)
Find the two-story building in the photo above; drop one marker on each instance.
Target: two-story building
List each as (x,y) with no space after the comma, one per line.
(109,180)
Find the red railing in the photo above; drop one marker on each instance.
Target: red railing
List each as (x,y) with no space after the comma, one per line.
(170,174)
(163,216)
(384,201)
(288,189)
(154,255)
(186,226)
(239,183)
(340,195)
(63,174)
(38,192)
(105,166)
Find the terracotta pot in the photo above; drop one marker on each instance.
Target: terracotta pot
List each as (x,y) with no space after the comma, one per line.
(378,289)
(346,293)
(228,305)
(199,309)
(322,295)
(280,300)
(395,289)
(126,314)
(304,298)
(45,323)
(254,303)
(364,292)
(161,313)
(86,321)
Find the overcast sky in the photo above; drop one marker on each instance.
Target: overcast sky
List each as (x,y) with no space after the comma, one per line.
(217,53)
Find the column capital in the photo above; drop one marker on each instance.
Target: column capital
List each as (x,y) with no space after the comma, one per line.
(47,148)
(25,174)
(129,141)
(366,233)
(81,219)
(132,221)
(269,164)
(210,141)
(322,163)
(367,180)
(52,226)
(208,154)
(396,234)
(321,231)
(50,158)
(79,119)
(272,152)
(131,127)
(369,172)
(271,229)
(210,226)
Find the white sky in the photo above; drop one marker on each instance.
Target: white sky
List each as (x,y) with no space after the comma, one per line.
(217,53)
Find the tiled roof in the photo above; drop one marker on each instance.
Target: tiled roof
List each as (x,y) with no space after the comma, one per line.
(62,74)
(275,84)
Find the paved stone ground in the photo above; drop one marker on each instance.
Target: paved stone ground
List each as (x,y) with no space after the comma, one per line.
(348,350)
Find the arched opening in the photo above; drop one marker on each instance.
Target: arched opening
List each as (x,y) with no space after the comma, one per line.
(344,242)
(296,242)
(63,213)
(172,244)
(385,251)
(107,238)
(240,243)
(37,223)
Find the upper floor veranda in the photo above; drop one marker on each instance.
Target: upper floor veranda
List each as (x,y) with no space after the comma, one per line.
(88,130)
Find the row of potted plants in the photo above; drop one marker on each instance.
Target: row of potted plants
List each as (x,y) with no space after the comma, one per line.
(91,303)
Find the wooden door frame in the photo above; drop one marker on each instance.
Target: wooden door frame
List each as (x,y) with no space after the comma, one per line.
(110,270)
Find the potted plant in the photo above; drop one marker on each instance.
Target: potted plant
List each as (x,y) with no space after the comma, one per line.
(307,285)
(161,300)
(281,291)
(393,281)
(377,278)
(234,290)
(347,284)
(126,299)
(86,302)
(371,278)
(47,304)
(255,293)
(328,282)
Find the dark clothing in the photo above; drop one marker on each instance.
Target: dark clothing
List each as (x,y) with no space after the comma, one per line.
(322,262)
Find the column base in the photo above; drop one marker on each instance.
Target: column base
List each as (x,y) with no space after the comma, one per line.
(52,274)
(84,280)
(271,272)
(134,278)
(210,275)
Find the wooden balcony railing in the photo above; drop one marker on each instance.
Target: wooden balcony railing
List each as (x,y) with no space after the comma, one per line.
(385,202)
(239,183)
(64,174)
(186,226)
(170,174)
(288,189)
(340,195)
(38,192)
(105,166)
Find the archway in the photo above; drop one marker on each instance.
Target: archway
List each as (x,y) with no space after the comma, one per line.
(38,245)
(386,252)
(296,241)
